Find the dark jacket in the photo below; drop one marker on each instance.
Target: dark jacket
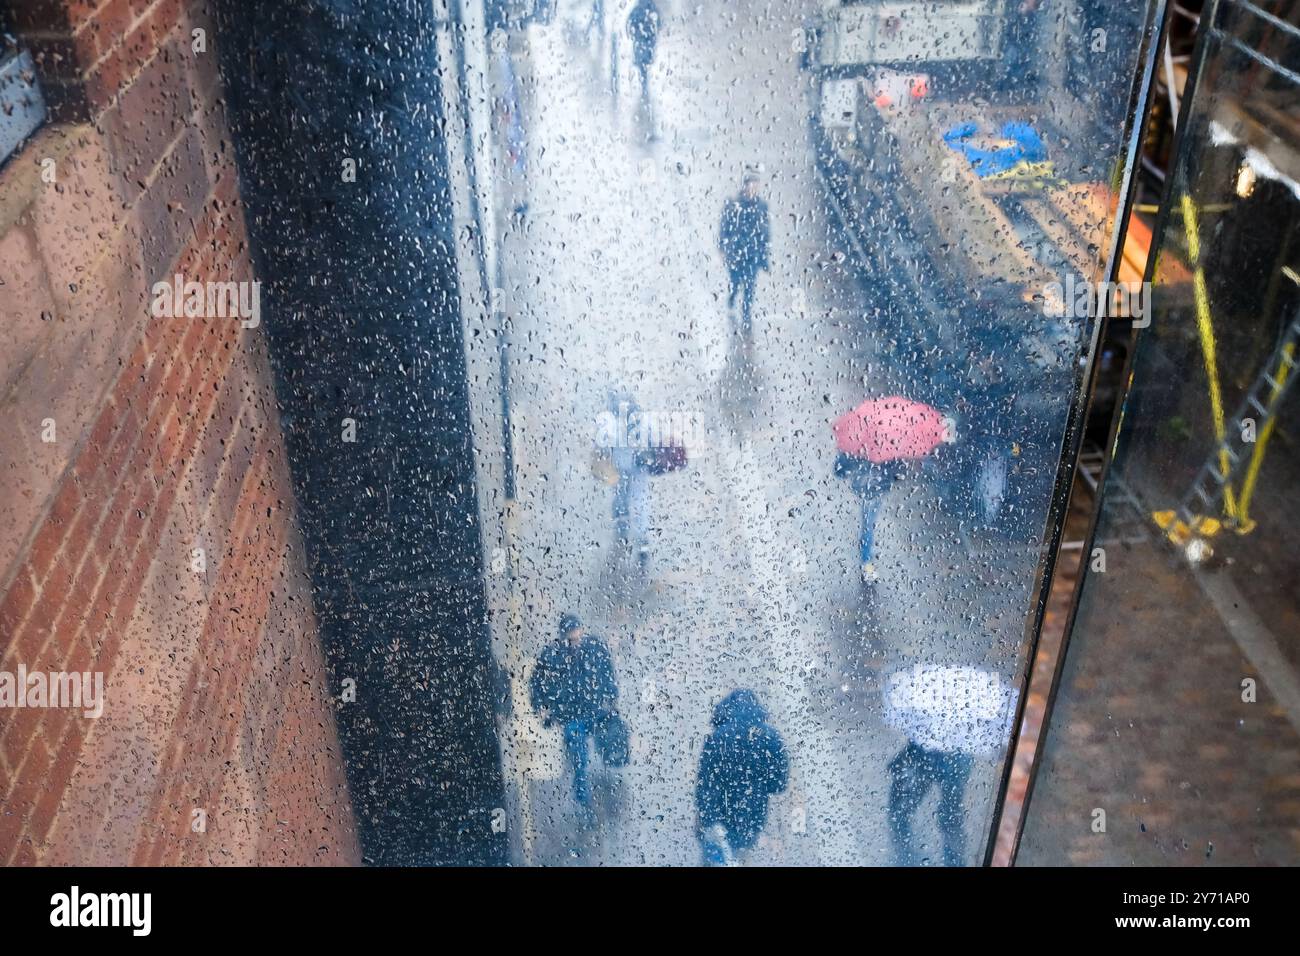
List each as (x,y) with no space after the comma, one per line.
(643,28)
(574,683)
(867,478)
(746,235)
(743,764)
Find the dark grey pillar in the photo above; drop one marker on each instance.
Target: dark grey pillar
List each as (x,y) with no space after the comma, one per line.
(361,307)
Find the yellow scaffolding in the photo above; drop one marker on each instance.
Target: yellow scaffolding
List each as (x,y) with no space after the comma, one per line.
(1182,526)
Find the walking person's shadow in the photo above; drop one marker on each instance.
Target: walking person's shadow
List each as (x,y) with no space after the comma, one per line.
(589,838)
(623,577)
(646,125)
(739,385)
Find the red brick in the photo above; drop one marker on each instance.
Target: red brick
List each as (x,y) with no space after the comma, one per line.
(109,25)
(108,485)
(82,656)
(30,639)
(128,439)
(104,553)
(67,502)
(151,109)
(63,765)
(76,545)
(18,601)
(105,79)
(163,18)
(164,455)
(72,618)
(79,11)
(45,548)
(26,854)
(47,801)
(31,771)
(102,434)
(18,725)
(55,587)
(138,514)
(142,349)
(180,429)
(11,828)
(105,599)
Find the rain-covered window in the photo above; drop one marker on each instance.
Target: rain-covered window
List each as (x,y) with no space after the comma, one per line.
(553,432)
(775,319)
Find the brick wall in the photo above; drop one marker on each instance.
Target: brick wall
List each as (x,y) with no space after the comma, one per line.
(166,440)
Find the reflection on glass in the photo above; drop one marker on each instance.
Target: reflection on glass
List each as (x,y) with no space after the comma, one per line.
(779,303)
(550,431)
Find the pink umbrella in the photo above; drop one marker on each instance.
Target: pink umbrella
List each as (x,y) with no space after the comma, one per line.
(889,429)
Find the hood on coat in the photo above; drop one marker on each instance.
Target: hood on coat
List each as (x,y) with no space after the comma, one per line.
(739,707)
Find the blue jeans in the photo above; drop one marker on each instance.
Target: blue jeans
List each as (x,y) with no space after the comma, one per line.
(872,500)
(631,509)
(577,745)
(743,282)
(915,771)
(597,22)
(870,511)
(643,72)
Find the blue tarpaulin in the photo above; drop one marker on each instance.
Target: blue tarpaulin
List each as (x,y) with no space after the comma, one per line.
(1027,147)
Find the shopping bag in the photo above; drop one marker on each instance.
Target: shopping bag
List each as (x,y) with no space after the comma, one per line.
(663,459)
(613,741)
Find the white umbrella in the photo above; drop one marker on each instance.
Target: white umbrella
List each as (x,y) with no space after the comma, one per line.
(955,709)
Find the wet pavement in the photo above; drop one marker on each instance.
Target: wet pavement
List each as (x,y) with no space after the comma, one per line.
(612,280)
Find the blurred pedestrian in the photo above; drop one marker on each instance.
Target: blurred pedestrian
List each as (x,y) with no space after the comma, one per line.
(543,12)
(574,685)
(870,481)
(914,771)
(621,445)
(745,241)
(743,764)
(596,23)
(951,714)
(873,440)
(643,28)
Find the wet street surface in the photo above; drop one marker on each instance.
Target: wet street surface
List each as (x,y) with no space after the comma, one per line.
(614,283)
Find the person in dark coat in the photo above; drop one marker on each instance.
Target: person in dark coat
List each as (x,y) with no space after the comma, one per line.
(643,28)
(742,765)
(574,685)
(914,771)
(745,240)
(631,501)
